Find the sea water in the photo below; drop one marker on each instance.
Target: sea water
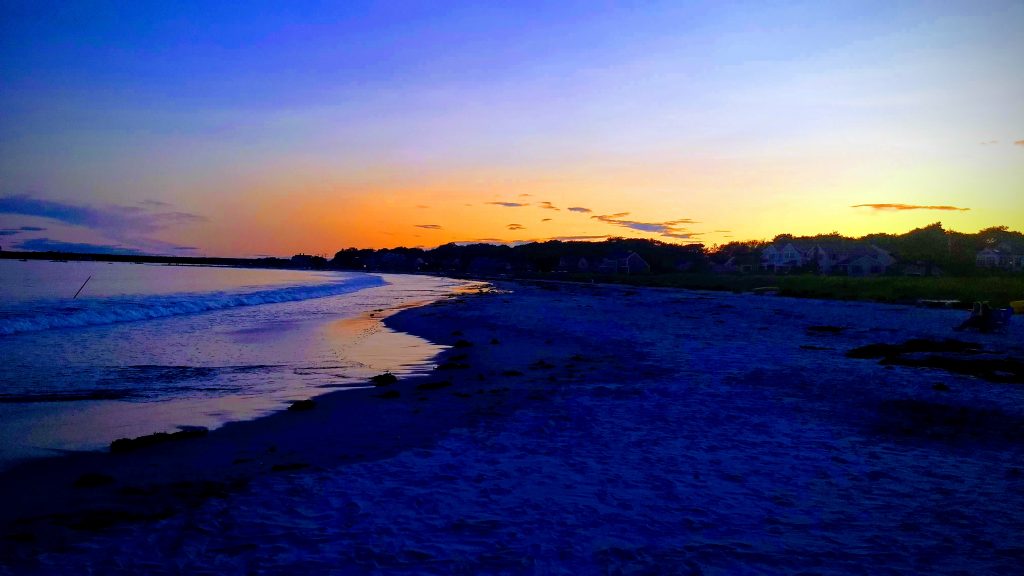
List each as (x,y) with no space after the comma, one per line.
(150,348)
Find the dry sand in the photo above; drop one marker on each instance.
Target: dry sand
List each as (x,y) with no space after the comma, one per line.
(575,428)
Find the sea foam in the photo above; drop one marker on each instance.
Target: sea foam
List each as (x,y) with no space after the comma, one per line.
(55,314)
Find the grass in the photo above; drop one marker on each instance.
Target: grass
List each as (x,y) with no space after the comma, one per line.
(998,290)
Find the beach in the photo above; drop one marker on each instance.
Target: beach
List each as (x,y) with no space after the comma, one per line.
(574,428)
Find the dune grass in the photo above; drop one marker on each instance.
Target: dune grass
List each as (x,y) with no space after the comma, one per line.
(998,290)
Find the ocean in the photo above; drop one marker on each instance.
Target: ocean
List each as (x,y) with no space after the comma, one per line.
(152,348)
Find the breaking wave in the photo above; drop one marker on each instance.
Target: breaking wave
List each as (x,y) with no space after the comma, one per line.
(48,315)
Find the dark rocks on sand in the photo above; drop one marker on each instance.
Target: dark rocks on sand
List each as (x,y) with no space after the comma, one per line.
(462,344)
(495,341)
(453,366)
(389,395)
(128,444)
(301,405)
(940,387)
(914,345)
(93,479)
(385,379)
(434,385)
(947,422)
(950,355)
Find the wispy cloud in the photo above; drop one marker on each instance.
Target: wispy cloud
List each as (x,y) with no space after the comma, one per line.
(545,219)
(429,226)
(129,226)
(516,227)
(989,142)
(1019,143)
(111,219)
(578,238)
(580,209)
(47,245)
(508,204)
(896,207)
(422,206)
(668,229)
(548,206)
(525,195)
(13,231)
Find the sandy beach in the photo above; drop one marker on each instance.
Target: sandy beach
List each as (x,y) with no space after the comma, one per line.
(577,429)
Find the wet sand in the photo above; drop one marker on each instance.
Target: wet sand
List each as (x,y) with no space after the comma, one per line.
(574,428)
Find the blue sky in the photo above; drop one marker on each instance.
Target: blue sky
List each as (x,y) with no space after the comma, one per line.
(674,110)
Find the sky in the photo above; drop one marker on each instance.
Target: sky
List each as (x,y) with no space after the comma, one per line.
(207,128)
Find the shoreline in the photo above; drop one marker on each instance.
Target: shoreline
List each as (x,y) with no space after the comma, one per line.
(57,502)
(632,408)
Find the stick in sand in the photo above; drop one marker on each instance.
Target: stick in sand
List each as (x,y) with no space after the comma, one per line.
(83,286)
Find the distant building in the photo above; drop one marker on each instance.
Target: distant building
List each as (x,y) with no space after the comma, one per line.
(1002,257)
(624,263)
(851,258)
(785,256)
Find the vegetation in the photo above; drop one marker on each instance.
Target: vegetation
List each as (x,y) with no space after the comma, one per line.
(998,290)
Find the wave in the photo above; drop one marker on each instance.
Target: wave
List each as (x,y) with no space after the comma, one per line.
(48,315)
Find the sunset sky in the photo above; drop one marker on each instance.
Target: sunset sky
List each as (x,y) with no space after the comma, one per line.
(271,129)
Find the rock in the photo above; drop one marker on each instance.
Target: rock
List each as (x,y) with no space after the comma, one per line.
(385,379)
(495,341)
(128,444)
(453,366)
(389,395)
(302,405)
(462,344)
(940,387)
(93,479)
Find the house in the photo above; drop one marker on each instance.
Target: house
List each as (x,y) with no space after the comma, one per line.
(1002,257)
(741,263)
(785,256)
(572,264)
(624,263)
(854,259)
(828,257)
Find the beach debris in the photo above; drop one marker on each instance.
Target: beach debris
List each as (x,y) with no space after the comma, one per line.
(462,344)
(389,395)
(541,364)
(301,405)
(93,480)
(128,444)
(385,379)
(434,385)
